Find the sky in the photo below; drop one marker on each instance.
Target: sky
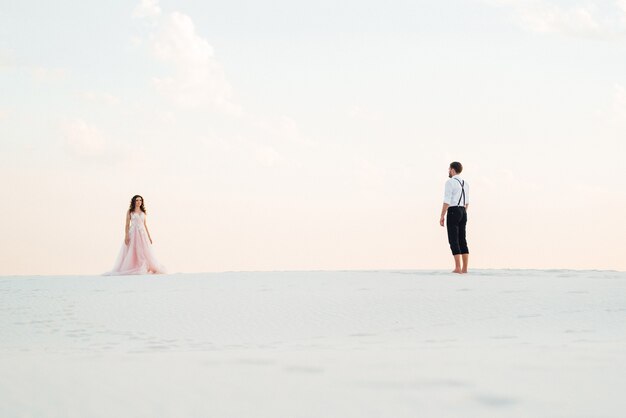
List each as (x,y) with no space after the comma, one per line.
(293,135)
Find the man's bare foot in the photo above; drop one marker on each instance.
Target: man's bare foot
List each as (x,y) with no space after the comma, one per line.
(463,271)
(456,271)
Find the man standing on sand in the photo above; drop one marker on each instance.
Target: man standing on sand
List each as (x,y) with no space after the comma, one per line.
(455,203)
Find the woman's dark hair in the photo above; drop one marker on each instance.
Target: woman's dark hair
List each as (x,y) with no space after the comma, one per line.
(456,166)
(132,204)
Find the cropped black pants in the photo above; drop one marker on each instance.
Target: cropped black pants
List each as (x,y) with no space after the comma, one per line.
(456,222)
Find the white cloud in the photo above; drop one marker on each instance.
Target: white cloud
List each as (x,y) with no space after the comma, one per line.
(587,20)
(198,79)
(147,9)
(550,18)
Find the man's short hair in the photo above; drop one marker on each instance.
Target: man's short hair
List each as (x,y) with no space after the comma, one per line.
(456,166)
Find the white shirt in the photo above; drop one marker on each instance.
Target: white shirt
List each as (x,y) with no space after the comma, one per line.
(453,192)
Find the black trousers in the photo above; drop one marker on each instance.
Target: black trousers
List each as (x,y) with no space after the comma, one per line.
(456,222)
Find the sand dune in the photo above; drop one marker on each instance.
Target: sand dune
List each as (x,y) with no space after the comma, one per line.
(315,344)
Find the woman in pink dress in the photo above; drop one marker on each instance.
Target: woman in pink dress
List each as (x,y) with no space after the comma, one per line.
(136,255)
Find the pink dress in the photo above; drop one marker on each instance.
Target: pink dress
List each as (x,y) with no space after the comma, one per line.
(137,257)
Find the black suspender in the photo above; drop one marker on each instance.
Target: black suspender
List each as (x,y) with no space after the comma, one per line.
(462,192)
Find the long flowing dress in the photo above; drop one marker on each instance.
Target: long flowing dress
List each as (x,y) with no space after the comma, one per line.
(137,257)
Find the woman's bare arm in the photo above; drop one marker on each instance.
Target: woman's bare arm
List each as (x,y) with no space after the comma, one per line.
(145,223)
(126,238)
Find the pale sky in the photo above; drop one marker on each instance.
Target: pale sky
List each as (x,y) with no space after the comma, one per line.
(292,135)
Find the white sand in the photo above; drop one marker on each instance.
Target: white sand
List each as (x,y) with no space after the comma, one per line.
(315,344)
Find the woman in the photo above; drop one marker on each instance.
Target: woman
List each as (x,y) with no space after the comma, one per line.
(136,255)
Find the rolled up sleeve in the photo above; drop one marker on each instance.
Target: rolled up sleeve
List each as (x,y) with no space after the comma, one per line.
(447,195)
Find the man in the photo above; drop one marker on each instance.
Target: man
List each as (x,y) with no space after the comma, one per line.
(455,203)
